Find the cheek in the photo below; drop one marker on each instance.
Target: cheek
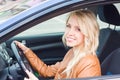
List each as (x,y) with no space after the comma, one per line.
(80,38)
(66,33)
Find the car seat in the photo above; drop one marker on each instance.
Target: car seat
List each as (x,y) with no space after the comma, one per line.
(111,65)
(109,39)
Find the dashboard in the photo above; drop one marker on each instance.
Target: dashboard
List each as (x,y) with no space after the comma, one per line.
(9,68)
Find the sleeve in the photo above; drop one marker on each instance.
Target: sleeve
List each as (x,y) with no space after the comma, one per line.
(40,66)
(90,68)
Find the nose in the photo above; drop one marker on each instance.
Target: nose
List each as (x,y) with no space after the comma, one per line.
(71,32)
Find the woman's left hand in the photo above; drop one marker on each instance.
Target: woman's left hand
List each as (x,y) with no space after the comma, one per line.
(21,46)
(31,76)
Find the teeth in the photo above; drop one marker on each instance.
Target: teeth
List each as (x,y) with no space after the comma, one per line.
(70,38)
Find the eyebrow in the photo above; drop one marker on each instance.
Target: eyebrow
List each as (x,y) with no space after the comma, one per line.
(68,24)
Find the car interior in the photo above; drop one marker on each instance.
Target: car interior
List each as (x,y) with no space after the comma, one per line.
(111,64)
(49,47)
(109,38)
(109,46)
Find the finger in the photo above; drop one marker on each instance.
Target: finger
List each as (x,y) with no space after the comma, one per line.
(29,73)
(17,42)
(26,78)
(20,45)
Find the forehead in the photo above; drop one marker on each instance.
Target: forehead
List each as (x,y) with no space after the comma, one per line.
(72,18)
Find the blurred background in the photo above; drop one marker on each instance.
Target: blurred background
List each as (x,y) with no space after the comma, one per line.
(8,8)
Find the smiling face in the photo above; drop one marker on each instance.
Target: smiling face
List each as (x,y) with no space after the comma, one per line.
(73,35)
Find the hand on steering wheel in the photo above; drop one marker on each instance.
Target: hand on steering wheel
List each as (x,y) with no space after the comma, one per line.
(19,50)
(21,46)
(30,75)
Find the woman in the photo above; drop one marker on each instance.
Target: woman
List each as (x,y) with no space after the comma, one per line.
(81,34)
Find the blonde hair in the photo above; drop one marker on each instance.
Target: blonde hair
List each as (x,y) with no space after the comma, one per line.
(90,29)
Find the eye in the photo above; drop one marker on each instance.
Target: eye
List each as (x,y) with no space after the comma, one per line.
(68,26)
(78,29)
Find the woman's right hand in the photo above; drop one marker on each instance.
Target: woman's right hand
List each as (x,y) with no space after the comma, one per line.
(21,46)
(31,76)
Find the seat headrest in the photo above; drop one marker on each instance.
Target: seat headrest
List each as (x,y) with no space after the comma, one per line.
(109,14)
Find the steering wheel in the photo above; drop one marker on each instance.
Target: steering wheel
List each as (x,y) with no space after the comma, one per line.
(21,59)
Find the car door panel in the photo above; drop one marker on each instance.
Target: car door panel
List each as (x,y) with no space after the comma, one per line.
(48,47)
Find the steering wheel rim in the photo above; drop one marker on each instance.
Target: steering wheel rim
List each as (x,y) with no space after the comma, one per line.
(21,59)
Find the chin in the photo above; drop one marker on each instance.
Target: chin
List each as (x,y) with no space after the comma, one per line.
(70,45)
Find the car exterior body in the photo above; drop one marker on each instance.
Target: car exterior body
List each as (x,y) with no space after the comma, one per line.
(45,42)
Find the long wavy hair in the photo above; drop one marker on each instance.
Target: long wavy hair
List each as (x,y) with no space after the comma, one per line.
(90,29)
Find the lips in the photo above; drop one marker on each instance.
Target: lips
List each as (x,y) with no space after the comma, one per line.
(69,39)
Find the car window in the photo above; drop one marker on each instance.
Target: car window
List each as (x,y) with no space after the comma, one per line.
(54,25)
(9,8)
